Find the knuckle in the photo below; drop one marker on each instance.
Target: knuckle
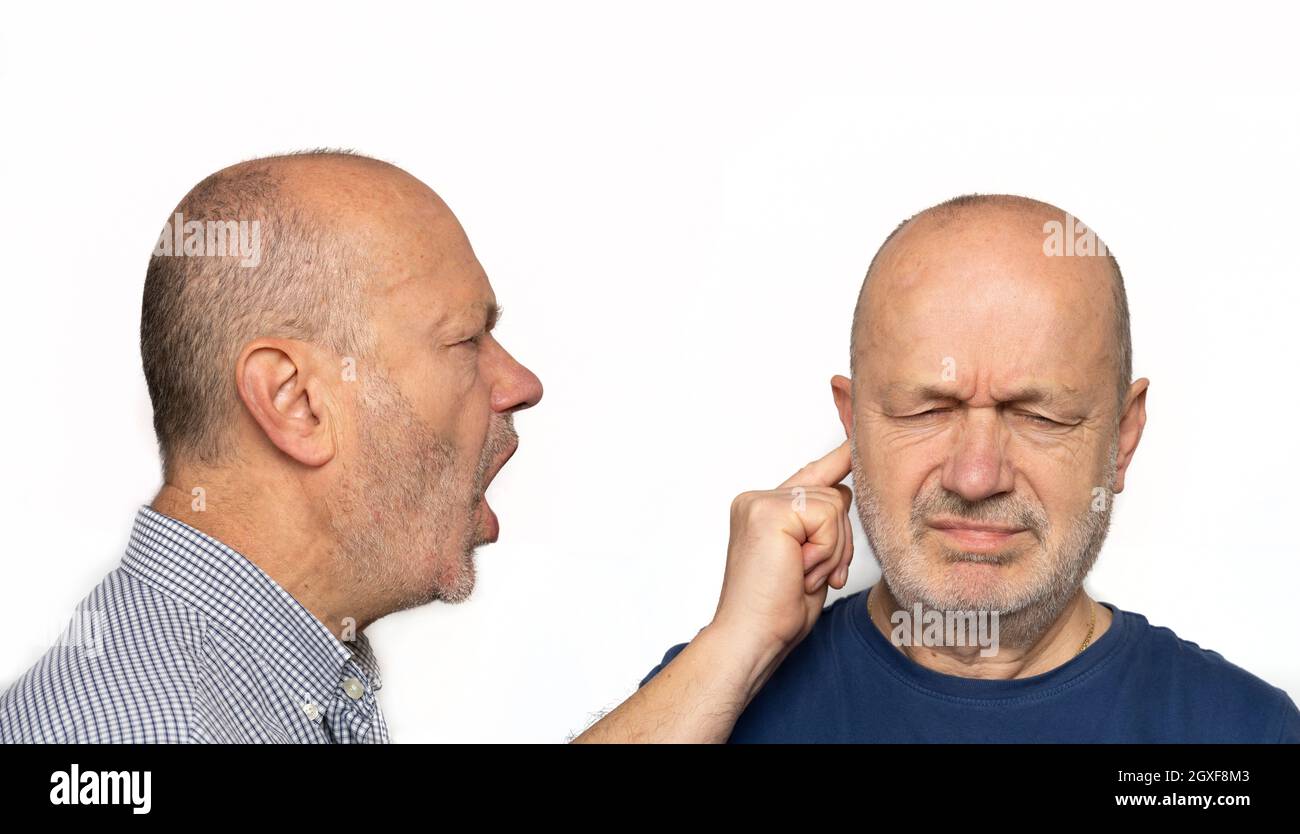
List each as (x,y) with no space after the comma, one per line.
(746,504)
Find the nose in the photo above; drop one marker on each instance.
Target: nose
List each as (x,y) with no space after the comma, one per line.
(515,387)
(977,467)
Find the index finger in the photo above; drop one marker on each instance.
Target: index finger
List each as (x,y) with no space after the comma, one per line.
(825,471)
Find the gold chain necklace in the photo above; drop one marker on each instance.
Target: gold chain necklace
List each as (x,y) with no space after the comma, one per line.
(1092,623)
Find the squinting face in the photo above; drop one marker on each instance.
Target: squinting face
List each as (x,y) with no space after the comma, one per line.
(434,413)
(983,418)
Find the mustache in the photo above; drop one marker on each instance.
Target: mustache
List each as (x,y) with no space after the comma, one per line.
(501,436)
(1011,510)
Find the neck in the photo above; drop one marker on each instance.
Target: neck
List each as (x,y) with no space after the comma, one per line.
(1058,644)
(275,530)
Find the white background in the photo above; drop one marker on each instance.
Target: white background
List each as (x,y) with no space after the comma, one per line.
(676,204)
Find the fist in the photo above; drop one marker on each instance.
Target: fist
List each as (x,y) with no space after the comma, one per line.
(788,547)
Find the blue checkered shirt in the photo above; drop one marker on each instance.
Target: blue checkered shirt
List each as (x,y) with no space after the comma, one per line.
(188,641)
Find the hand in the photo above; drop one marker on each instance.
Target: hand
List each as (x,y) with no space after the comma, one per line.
(788,547)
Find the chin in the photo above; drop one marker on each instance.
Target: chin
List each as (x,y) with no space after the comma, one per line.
(458,586)
(980,585)
(437,581)
(973,585)
(455,596)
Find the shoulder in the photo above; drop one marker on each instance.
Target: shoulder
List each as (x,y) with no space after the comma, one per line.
(129,668)
(1204,684)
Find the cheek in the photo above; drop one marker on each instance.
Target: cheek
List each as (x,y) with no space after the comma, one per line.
(896,482)
(899,472)
(1062,492)
(450,395)
(470,422)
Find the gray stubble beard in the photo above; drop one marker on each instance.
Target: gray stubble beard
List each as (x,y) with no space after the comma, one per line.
(1022,617)
(410,555)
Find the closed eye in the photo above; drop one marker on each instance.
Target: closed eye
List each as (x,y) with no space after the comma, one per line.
(1040,420)
(921,415)
(1036,419)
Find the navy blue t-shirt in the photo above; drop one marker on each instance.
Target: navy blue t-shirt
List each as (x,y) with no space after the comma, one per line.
(1138,683)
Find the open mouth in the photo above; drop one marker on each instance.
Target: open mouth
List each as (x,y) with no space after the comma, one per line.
(488,522)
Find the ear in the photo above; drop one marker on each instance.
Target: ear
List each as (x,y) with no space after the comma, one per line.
(285,399)
(842,390)
(1130,429)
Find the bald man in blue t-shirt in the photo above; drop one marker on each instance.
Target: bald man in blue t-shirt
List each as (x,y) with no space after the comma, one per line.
(991,418)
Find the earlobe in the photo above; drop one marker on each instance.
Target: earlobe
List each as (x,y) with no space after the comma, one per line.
(842,390)
(285,399)
(1132,421)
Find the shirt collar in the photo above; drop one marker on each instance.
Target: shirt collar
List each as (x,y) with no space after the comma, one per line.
(243,600)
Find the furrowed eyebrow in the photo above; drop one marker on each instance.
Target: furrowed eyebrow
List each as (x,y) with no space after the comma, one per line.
(465,318)
(1029,394)
(1063,397)
(1040,396)
(896,391)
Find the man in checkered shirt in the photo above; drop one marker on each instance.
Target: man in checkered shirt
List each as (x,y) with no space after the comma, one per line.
(330,405)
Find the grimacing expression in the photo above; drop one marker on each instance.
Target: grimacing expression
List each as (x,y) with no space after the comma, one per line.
(984,394)
(433,421)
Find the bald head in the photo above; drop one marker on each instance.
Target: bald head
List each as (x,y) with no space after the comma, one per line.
(284,247)
(981,258)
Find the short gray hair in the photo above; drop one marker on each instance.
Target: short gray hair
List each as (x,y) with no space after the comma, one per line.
(199,312)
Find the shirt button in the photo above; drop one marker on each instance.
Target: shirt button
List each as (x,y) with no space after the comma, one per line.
(313,712)
(353,687)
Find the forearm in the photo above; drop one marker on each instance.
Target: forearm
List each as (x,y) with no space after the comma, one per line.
(696,698)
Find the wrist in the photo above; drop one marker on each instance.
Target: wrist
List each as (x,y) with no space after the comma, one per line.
(747,658)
